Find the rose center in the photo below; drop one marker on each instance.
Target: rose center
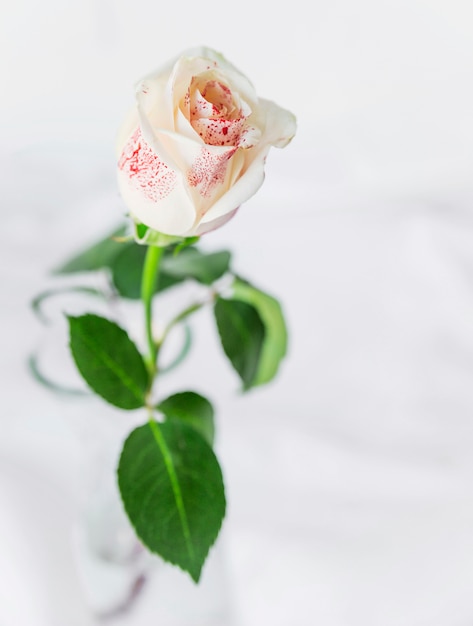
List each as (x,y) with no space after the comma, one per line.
(217,115)
(221,99)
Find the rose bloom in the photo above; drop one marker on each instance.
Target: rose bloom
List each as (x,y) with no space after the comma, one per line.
(194,147)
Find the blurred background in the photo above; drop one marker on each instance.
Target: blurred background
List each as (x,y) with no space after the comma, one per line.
(349,479)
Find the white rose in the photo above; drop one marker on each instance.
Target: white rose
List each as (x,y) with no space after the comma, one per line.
(194,147)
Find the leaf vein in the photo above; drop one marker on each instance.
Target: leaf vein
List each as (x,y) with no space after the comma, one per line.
(176,488)
(113,366)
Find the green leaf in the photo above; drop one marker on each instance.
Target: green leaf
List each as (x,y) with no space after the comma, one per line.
(193,409)
(166,280)
(127,268)
(242,334)
(194,264)
(172,490)
(108,361)
(99,255)
(275,341)
(188,241)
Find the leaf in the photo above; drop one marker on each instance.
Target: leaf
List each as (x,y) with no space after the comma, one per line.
(172,490)
(108,361)
(99,255)
(275,340)
(242,334)
(193,409)
(192,263)
(188,241)
(127,268)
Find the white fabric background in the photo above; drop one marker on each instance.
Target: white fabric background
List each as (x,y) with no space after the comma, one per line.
(350,478)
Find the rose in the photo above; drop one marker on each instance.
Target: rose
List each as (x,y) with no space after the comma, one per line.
(194,147)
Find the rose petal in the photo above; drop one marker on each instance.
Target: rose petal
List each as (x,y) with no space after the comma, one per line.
(220,95)
(199,107)
(146,170)
(149,186)
(219,132)
(245,187)
(153,140)
(214,224)
(151,100)
(250,136)
(280,125)
(183,127)
(129,125)
(179,81)
(209,170)
(237,81)
(161,216)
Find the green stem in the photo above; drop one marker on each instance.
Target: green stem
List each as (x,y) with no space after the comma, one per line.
(148,284)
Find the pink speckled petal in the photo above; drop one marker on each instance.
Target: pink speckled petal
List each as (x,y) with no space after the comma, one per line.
(245,187)
(280,127)
(152,189)
(200,107)
(190,156)
(160,215)
(219,132)
(210,172)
